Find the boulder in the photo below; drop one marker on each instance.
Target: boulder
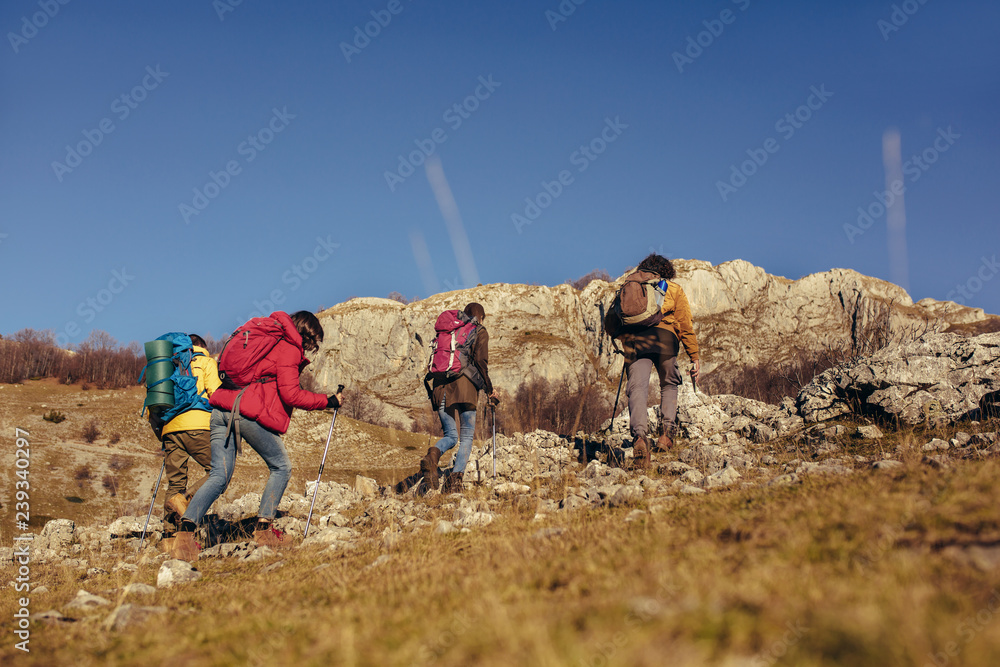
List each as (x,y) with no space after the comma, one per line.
(939,376)
(174,572)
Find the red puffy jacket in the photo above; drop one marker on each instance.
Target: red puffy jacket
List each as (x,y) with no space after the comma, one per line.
(270,403)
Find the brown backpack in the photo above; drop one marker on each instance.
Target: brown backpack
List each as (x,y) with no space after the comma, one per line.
(637,304)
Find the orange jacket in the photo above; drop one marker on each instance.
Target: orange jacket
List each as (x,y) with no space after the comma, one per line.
(677,318)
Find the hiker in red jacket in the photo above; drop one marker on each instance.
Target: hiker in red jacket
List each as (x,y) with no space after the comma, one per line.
(265,410)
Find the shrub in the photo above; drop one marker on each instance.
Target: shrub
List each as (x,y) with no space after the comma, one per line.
(90,432)
(583,281)
(115,438)
(82,475)
(110,484)
(556,407)
(54,417)
(119,463)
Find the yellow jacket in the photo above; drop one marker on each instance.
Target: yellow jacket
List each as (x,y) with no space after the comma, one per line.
(677,318)
(206,371)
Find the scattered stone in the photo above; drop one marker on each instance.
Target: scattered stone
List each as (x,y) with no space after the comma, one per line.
(95,572)
(129,614)
(58,534)
(366,487)
(936,444)
(259,554)
(176,572)
(336,519)
(871,432)
(40,589)
(381,560)
(85,600)
(626,495)
(939,461)
(127,567)
(445,527)
(692,477)
(887,464)
(474,519)
(723,478)
(689,490)
(511,489)
(139,589)
(51,617)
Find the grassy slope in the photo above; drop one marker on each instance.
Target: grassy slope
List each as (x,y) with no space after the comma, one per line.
(860,570)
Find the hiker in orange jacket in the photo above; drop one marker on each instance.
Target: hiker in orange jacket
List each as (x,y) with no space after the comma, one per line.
(658,346)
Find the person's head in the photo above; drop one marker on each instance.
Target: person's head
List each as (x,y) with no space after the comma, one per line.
(197,340)
(309,328)
(476,311)
(659,265)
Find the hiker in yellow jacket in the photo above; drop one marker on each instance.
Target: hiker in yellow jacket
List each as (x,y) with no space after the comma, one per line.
(186,436)
(658,346)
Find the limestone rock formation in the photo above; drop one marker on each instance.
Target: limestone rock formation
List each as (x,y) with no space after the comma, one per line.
(942,376)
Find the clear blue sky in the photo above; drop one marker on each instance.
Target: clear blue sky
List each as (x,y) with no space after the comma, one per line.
(267,91)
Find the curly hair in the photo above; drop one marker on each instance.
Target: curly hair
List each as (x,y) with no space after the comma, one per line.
(309,328)
(659,265)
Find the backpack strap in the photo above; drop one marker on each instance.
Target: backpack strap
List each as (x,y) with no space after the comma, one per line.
(234,422)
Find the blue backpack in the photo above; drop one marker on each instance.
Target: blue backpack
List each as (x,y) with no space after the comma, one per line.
(186,396)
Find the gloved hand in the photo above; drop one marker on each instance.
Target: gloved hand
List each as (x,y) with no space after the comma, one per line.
(334,400)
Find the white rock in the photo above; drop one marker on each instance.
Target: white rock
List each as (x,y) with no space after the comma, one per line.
(723,478)
(176,572)
(85,600)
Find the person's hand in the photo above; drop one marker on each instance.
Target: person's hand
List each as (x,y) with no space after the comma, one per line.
(494,397)
(696,371)
(335,400)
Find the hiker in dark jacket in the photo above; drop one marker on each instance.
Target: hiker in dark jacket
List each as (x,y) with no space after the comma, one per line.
(658,346)
(455,401)
(265,413)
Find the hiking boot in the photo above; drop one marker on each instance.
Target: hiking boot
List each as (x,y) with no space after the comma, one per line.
(429,467)
(176,503)
(640,454)
(269,536)
(663,443)
(184,546)
(453,483)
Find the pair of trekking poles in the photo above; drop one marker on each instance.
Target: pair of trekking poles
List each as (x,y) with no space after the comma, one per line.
(322,465)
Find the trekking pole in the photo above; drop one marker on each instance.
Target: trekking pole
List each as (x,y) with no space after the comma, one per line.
(617,396)
(156,490)
(493,408)
(340,388)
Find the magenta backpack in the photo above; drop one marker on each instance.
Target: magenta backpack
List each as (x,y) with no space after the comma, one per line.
(246,348)
(451,351)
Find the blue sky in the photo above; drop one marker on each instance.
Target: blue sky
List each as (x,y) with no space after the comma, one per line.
(175,166)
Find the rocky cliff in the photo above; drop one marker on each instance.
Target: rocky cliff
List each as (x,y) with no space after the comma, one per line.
(743,316)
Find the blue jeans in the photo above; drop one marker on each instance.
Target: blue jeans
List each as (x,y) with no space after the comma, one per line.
(467,418)
(265,442)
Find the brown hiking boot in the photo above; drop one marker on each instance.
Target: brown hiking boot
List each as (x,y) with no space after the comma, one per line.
(176,503)
(640,454)
(184,547)
(453,483)
(270,537)
(429,467)
(167,546)
(663,443)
